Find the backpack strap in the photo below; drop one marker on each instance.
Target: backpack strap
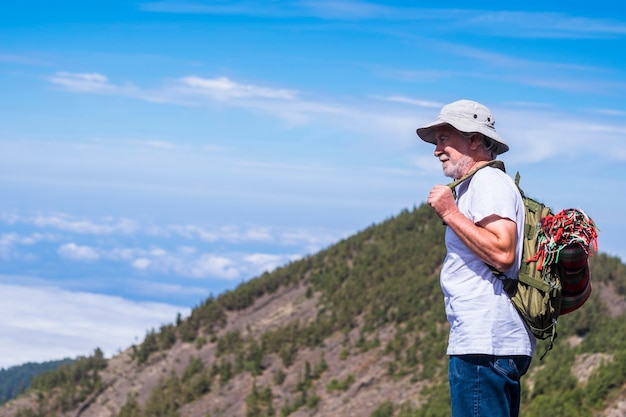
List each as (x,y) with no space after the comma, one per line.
(509,283)
(493,163)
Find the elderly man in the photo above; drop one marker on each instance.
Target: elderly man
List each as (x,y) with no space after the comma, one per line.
(489,346)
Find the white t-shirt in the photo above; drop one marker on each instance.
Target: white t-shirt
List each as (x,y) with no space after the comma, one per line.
(482,318)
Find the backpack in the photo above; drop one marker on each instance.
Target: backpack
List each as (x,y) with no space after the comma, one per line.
(554,276)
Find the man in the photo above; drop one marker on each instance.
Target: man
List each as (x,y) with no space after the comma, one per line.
(489,346)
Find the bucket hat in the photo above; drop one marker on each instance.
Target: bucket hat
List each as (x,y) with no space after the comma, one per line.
(465,116)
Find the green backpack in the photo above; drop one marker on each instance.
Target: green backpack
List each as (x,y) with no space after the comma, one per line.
(537,294)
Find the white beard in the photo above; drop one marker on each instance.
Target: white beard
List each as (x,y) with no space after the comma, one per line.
(459,168)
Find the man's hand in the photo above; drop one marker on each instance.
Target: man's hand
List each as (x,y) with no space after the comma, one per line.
(442,201)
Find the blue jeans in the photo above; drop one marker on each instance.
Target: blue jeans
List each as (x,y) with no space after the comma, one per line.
(486,386)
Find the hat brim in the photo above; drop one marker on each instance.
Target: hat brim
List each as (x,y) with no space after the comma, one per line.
(427,132)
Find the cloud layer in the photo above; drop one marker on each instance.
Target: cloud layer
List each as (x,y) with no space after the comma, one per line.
(47,323)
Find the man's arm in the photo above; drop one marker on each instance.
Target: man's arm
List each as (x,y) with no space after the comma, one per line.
(493,239)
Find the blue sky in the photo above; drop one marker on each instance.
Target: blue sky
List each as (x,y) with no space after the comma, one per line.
(155,153)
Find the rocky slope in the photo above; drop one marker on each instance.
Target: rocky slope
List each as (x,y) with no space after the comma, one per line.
(371,385)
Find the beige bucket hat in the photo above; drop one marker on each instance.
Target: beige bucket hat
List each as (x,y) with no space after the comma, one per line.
(465,116)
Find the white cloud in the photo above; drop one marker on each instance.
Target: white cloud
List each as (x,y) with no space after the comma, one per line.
(171,289)
(10,243)
(354,10)
(185,261)
(317,8)
(209,265)
(263,262)
(371,120)
(12,239)
(141,263)
(223,88)
(311,240)
(496,22)
(537,135)
(189,262)
(547,25)
(185,90)
(300,237)
(96,83)
(226,233)
(78,253)
(83,82)
(230,260)
(194,91)
(413,101)
(285,104)
(39,324)
(66,223)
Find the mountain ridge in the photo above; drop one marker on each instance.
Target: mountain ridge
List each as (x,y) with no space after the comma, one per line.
(355,329)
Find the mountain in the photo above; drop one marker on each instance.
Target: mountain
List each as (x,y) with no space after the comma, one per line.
(16,379)
(355,329)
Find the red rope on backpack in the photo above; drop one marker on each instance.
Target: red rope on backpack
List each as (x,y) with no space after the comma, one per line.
(563,229)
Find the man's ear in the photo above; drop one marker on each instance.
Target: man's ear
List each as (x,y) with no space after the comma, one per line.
(475,141)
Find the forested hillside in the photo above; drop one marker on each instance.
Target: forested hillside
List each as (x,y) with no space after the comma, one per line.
(16,379)
(357,328)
